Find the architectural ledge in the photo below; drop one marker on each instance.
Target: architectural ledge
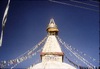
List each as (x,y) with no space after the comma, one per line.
(52,53)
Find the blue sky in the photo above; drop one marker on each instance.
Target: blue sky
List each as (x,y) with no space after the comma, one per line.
(27,22)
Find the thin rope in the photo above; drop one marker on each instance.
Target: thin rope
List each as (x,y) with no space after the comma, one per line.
(83,54)
(71,61)
(33,49)
(76,65)
(28,56)
(70,49)
(36,46)
(73,5)
(94,1)
(76,54)
(23,57)
(84,3)
(4,20)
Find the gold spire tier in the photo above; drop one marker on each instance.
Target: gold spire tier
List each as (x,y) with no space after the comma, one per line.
(52,28)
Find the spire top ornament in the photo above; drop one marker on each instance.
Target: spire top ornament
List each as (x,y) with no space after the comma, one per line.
(52,28)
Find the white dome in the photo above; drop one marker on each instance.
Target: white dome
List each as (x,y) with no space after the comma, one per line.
(52,65)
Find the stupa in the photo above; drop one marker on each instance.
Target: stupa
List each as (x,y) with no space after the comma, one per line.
(52,55)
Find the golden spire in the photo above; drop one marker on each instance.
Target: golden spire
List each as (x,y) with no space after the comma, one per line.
(52,28)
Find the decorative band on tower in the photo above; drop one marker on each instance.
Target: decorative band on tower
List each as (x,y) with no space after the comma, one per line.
(52,53)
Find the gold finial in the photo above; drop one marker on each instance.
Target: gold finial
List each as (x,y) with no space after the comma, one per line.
(52,20)
(52,27)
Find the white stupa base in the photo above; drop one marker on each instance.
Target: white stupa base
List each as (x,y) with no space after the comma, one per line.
(52,65)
